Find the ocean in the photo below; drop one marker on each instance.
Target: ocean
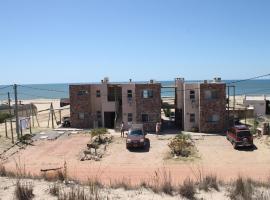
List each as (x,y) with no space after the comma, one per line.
(56,91)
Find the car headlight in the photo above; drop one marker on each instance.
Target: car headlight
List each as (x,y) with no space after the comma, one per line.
(141,140)
(128,140)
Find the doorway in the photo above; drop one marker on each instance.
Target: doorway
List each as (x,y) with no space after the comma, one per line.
(109,118)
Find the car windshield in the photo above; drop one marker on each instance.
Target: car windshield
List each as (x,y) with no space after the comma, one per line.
(243,134)
(136,132)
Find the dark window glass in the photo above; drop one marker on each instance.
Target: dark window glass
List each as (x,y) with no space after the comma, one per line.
(145,118)
(129,93)
(98,93)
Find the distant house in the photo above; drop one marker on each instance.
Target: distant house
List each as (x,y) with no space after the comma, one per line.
(260,104)
(200,106)
(108,104)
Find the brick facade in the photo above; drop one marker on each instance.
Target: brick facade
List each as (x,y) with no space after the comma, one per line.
(148,106)
(83,101)
(80,102)
(212,106)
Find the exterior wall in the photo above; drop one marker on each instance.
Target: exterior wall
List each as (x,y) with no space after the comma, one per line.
(96,103)
(89,104)
(259,106)
(213,106)
(80,104)
(128,104)
(191,106)
(179,102)
(150,106)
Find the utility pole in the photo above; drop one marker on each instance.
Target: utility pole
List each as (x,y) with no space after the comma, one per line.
(16,111)
(10,113)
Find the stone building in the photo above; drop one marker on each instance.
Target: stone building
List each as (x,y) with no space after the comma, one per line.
(200,106)
(108,104)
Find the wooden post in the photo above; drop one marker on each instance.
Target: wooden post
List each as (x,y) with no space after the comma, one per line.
(11,125)
(30,128)
(6,128)
(31,115)
(60,116)
(51,110)
(49,119)
(20,123)
(12,137)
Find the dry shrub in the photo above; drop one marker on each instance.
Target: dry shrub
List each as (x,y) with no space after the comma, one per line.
(181,145)
(209,182)
(94,186)
(123,183)
(52,176)
(54,189)
(160,182)
(24,190)
(77,193)
(3,171)
(188,189)
(242,189)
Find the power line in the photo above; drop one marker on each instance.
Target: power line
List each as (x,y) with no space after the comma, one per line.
(43,89)
(256,77)
(32,95)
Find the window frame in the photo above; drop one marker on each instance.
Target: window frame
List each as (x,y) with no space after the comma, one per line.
(192,118)
(147,94)
(82,92)
(81,116)
(98,93)
(147,118)
(192,95)
(130,117)
(129,94)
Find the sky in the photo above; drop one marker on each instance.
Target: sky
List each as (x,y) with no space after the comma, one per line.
(64,41)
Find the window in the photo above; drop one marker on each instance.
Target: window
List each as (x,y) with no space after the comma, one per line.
(211,94)
(130,117)
(81,116)
(98,93)
(82,92)
(213,118)
(129,93)
(99,115)
(145,118)
(192,117)
(147,94)
(192,94)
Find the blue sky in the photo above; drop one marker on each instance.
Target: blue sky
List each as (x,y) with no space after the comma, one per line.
(59,41)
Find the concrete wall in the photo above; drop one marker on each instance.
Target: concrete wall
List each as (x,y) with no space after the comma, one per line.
(191,106)
(259,106)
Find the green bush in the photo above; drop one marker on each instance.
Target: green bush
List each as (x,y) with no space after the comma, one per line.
(167,112)
(98,131)
(4,116)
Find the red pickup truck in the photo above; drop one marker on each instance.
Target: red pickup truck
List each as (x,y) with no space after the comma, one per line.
(240,136)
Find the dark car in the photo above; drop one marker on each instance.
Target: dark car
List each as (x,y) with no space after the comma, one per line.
(66,122)
(135,138)
(240,136)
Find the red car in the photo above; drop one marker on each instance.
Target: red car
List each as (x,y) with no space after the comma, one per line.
(240,136)
(135,138)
